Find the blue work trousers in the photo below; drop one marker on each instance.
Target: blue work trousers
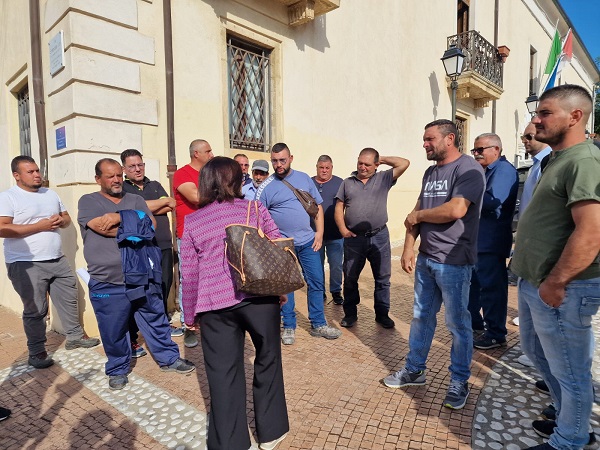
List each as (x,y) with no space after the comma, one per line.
(112,309)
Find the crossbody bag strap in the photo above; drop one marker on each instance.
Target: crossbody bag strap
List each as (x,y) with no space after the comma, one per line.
(294,190)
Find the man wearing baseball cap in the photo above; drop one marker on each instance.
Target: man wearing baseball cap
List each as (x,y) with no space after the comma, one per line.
(260,171)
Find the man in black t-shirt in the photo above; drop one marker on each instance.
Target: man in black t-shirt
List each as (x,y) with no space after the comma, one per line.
(333,242)
(159,203)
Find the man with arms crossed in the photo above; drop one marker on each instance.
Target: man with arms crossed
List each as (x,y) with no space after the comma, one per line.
(159,203)
(30,216)
(99,219)
(446,217)
(361,216)
(557,259)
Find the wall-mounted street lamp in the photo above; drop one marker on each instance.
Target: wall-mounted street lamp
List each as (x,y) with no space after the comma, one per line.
(532,103)
(453,64)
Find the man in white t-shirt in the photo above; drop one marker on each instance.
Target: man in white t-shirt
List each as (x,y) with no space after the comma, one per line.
(30,216)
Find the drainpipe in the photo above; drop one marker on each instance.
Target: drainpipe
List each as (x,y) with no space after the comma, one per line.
(496,7)
(38,86)
(172,159)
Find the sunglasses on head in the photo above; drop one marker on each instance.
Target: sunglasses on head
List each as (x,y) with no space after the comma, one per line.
(529,136)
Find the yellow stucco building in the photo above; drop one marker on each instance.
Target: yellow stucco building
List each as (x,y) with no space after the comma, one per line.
(86,79)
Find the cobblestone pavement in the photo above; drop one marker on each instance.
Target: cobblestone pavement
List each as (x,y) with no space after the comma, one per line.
(334,392)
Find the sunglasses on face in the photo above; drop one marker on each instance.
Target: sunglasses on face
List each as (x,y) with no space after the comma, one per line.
(529,137)
(479,150)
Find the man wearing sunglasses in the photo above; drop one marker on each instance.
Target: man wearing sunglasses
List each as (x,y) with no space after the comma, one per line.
(489,283)
(538,151)
(557,257)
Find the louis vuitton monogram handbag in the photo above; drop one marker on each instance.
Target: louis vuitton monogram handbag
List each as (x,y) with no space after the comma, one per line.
(261,266)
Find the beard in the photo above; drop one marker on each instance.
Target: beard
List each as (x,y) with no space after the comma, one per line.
(283,173)
(438,154)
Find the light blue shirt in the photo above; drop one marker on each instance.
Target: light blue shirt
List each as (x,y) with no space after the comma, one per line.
(249,191)
(533,175)
(286,210)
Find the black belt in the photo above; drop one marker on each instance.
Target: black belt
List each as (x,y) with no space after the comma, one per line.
(369,233)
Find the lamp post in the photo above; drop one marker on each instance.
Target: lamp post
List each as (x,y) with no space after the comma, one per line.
(453,64)
(532,103)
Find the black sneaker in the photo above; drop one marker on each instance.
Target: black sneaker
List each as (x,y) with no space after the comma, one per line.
(117,382)
(4,413)
(337,298)
(541,386)
(348,321)
(385,321)
(457,395)
(549,413)
(545,428)
(83,342)
(486,343)
(40,361)
(180,366)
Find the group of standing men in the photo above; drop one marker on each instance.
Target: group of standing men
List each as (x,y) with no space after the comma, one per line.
(463,217)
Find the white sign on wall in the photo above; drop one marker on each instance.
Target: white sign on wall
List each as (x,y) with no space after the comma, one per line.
(57,53)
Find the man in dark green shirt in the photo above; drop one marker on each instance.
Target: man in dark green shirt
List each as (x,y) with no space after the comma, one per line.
(557,258)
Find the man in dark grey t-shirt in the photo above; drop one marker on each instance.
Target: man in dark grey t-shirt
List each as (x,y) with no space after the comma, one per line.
(99,219)
(361,216)
(446,217)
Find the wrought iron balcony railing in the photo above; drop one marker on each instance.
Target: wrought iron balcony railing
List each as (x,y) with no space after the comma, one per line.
(480,55)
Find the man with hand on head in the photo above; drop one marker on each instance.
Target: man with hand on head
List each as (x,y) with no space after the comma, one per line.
(361,216)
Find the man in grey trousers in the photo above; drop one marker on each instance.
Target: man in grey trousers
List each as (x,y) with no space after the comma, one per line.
(30,216)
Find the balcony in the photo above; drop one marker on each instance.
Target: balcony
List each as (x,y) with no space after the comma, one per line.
(481,78)
(304,11)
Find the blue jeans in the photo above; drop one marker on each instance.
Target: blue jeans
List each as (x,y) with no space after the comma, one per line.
(436,283)
(377,250)
(489,292)
(559,342)
(335,258)
(312,269)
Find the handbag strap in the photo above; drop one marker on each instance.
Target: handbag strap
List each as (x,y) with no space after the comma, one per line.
(294,190)
(255,211)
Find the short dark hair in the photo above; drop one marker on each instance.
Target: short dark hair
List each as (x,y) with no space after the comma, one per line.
(576,95)
(98,166)
(220,181)
(279,147)
(14,164)
(128,153)
(370,151)
(446,127)
(324,158)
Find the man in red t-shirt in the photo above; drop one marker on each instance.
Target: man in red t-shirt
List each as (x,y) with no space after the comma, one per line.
(185,187)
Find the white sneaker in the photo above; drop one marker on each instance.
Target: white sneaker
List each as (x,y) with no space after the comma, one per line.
(516,321)
(524,360)
(271,445)
(288,337)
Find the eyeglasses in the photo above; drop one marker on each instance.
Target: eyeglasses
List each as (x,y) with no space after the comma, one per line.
(529,137)
(283,162)
(245,165)
(132,167)
(479,150)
